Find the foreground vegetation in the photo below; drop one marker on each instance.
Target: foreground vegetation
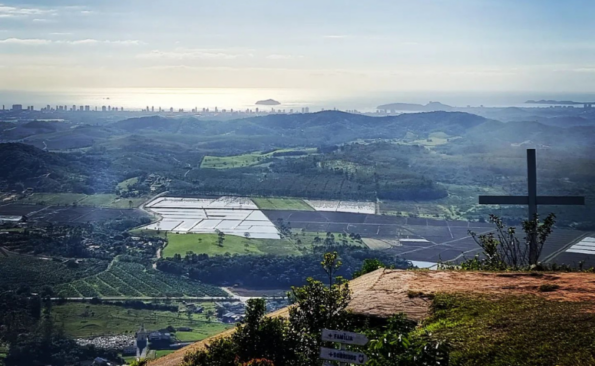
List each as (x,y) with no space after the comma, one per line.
(513,330)
(297,340)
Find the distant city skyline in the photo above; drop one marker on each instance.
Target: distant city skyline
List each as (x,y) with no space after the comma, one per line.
(345,45)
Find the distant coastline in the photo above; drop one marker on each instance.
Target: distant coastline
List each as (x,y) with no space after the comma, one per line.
(556,102)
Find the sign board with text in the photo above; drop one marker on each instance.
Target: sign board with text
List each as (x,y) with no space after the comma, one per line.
(332,354)
(339,336)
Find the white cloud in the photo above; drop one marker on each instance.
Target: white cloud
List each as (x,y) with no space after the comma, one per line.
(16,12)
(282,57)
(29,41)
(193,54)
(38,42)
(335,36)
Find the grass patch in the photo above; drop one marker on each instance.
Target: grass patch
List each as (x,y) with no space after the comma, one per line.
(207,244)
(80,320)
(513,330)
(163,352)
(244,160)
(127,183)
(282,204)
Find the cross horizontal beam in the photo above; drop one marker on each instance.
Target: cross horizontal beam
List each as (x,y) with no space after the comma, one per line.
(524,200)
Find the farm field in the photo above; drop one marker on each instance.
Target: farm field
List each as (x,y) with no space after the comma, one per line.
(83,320)
(77,199)
(343,206)
(207,244)
(125,279)
(242,161)
(231,215)
(35,272)
(376,244)
(69,214)
(293,204)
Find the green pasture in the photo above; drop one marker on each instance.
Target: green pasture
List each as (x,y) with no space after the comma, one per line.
(282,204)
(207,244)
(80,320)
(243,160)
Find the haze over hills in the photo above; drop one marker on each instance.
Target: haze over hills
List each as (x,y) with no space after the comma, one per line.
(430,107)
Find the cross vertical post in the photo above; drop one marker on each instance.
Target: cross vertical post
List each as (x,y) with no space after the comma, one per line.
(532,183)
(532,196)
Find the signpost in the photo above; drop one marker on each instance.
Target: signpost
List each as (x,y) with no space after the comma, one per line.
(340,355)
(340,336)
(343,356)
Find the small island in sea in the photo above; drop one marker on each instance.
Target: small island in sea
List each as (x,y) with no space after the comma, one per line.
(267,102)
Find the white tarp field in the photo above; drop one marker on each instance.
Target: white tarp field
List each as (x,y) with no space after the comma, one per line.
(585,246)
(343,206)
(231,215)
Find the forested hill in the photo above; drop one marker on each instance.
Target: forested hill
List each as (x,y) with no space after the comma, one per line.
(322,127)
(24,166)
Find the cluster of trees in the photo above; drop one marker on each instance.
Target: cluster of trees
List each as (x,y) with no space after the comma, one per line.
(24,166)
(72,241)
(296,341)
(33,339)
(269,271)
(136,304)
(353,171)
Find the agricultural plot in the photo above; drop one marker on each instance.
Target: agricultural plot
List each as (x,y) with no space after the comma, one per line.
(69,214)
(124,279)
(376,244)
(420,239)
(207,244)
(293,204)
(237,216)
(79,320)
(245,160)
(580,249)
(236,161)
(343,206)
(17,270)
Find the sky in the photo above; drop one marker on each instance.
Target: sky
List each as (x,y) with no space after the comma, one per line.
(441,45)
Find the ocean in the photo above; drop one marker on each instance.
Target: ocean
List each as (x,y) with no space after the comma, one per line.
(243,98)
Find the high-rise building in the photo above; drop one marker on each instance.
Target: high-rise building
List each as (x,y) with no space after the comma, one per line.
(87,108)
(103,108)
(17,107)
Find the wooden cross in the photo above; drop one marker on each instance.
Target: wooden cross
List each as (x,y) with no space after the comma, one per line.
(532,199)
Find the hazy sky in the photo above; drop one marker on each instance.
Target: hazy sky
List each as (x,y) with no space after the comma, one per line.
(487,45)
